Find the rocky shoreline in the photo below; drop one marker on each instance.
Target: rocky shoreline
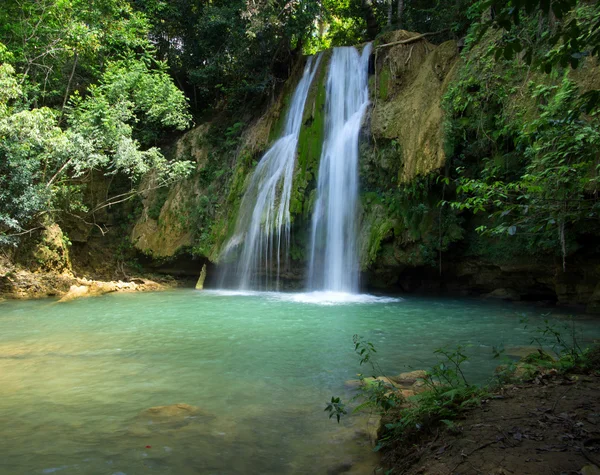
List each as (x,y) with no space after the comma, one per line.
(20,284)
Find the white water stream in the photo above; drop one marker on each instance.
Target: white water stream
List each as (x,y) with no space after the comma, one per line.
(333,263)
(263,225)
(262,237)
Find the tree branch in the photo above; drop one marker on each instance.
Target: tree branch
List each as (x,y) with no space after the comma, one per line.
(413,39)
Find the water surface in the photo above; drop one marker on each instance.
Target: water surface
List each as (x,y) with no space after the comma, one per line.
(76,378)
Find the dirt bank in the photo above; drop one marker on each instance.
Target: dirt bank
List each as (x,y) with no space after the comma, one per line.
(548,426)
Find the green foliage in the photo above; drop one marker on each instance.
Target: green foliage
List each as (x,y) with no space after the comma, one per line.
(229,53)
(563,342)
(524,152)
(413,214)
(336,408)
(59,46)
(553,193)
(79,92)
(447,395)
(559,352)
(572,30)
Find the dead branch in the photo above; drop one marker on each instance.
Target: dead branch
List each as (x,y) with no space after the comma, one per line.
(413,39)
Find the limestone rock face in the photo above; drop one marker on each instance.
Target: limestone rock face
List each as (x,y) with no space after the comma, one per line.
(594,303)
(162,228)
(403,142)
(410,82)
(163,236)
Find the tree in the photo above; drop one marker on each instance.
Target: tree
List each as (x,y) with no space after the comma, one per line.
(80,94)
(59,46)
(531,167)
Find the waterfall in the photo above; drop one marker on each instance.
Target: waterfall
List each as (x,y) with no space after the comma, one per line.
(263,224)
(333,262)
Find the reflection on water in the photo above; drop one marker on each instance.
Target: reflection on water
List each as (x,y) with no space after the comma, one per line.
(252,372)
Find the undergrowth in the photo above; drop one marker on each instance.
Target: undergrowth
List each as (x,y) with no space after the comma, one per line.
(445,393)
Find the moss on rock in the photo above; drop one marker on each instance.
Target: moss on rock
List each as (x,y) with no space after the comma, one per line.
(310,143)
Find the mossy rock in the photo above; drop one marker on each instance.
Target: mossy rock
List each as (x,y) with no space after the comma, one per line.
(310,142)
(46,251)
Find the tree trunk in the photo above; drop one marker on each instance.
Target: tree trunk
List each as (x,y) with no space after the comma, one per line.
(390,12)
(369,15)
(400,12)
(66,98)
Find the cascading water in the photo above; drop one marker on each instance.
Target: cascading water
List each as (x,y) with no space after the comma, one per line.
(333,263)
(263,225)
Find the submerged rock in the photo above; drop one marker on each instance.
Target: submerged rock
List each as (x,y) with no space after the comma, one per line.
(167,418)
(590,470)
(173,410)
(353,384)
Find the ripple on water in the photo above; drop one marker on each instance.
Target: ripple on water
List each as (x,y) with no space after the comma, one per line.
(316,297)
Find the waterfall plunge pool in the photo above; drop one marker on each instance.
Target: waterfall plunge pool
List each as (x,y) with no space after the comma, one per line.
(77,379)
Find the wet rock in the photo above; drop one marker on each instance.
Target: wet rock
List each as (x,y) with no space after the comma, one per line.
(387,381)
(529,353)
(91,288)
(409,378)
(369,381)
(520,351)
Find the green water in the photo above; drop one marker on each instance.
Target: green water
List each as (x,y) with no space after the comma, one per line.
(75,378)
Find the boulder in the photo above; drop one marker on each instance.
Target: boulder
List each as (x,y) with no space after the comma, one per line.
(75,292)
(410,378)
(590,470)
(406,393)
